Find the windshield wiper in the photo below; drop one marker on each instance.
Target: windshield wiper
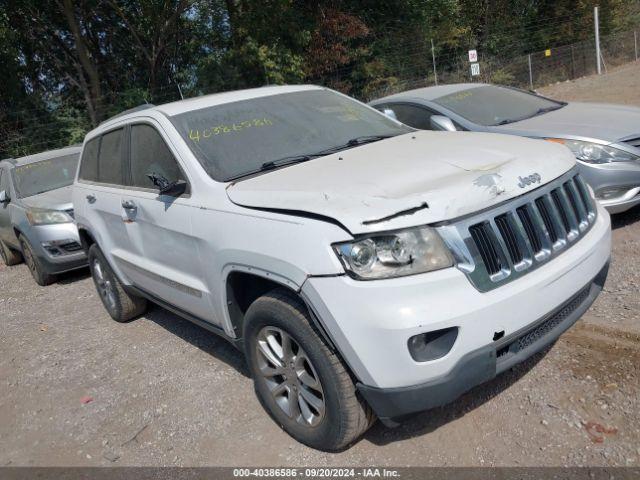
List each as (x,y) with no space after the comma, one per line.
(548,109)
(540,111)
(281,162)
(284,161)
(366,139)
(273,164)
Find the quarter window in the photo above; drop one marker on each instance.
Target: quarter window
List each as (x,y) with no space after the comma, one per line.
(110,158)
(89,162)
(4,181)
(150,154)
(413,116)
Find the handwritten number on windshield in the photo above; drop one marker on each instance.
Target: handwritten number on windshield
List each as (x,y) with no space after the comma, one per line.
(222,129)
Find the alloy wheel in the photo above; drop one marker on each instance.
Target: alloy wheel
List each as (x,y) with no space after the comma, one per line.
(28,258)
(290,376)
(105,286)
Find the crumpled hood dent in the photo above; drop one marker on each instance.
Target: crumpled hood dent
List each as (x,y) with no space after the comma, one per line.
(410,180)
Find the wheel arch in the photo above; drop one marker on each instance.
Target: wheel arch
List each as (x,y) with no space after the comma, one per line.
(245,285)
(86,238)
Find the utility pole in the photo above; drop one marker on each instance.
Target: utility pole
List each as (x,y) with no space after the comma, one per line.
(530,74)
(635,43)
(433,56)
(597,27)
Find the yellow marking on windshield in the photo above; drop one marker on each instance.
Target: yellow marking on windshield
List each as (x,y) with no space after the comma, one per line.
(461,96)
(29,166)
(223,128)
(345,113)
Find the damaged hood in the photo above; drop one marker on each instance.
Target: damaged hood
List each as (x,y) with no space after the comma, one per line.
(409,180)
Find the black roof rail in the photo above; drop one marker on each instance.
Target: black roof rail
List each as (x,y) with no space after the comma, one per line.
(144,106)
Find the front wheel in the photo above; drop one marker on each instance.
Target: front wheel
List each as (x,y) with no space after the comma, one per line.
(301,383)
(36,268)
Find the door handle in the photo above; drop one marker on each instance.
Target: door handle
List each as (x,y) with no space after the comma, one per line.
(91,198)
(128,205)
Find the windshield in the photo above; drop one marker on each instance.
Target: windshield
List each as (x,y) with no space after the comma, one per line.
(490,105)
(234,139)
(45,175)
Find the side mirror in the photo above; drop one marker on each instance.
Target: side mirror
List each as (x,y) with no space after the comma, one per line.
(440,122)
(4,197)
(166,187)
(390,113)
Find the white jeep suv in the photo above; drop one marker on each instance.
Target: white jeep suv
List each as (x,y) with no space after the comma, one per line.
(365,269)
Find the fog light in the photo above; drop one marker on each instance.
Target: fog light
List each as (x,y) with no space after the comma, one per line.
(432,345)
(53,251)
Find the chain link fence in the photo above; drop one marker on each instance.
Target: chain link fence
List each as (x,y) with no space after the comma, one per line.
(531,71)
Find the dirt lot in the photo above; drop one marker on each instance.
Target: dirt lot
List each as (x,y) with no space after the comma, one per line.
(620,85)
(166,392)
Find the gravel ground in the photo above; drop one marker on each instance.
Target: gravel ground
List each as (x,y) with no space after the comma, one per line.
(165,392)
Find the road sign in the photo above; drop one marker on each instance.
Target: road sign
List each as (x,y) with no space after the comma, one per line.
(475,69)
(473,56)
(547,52)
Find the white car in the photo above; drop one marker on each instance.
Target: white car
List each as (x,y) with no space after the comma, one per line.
(364,268)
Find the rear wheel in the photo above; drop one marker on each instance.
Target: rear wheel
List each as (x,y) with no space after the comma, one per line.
(36,268)
(301,383)
(121,305)
(9,256)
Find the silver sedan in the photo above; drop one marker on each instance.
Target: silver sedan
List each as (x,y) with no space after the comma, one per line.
(605,139)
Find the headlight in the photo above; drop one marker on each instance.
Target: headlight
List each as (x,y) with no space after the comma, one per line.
(388,255)
(47,217)
(595,153)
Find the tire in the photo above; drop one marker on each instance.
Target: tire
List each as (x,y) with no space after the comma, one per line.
(38,272)
(9,256)
(122,306)
(335,415)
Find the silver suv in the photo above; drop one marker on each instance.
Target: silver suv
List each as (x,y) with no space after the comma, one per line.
(36,214)
(364,268)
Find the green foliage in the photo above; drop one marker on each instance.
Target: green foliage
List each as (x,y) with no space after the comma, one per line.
(502,77)
(69,64)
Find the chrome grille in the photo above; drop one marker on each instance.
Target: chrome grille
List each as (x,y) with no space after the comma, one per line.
(502,244)
(485,242)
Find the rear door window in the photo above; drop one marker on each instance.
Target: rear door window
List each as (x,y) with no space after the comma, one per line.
(110,158)
(150,154)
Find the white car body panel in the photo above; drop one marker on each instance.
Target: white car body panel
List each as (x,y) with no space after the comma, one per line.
(362,186)
(281,225)
(372,321)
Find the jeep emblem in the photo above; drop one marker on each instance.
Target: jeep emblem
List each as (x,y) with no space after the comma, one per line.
(533,178)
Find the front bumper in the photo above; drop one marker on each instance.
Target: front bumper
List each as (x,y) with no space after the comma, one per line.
(371,322)
(52,244)
(483,364)
(623,175)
